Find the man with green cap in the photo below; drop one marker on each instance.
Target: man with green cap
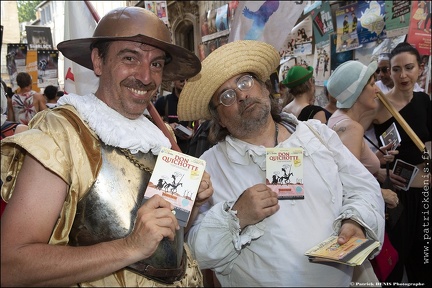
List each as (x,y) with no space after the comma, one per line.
(75,181)
(301,85)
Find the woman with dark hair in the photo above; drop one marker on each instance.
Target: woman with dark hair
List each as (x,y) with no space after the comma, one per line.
(409,236)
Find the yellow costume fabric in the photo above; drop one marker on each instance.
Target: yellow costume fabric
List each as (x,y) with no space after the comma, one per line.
(65,145)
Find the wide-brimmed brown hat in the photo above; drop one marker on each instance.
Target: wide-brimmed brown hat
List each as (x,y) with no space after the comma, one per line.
(227,61)
(139,25)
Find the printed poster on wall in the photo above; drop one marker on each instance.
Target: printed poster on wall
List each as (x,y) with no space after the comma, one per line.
(222,18)
(419,33)
(322,24)
(337,58)
(322,64)
(39,37)
(346,28)
(15,61)
(159,8)
(31,68)
(397,17)
(371,25)
(299,40)
(47,67)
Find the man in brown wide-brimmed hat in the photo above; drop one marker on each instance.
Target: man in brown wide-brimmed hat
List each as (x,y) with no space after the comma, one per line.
(75,182)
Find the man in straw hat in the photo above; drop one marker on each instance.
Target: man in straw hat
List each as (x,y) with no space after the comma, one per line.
(245,232)
(75,181)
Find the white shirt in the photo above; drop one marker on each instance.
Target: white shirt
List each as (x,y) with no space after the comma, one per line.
(271,253)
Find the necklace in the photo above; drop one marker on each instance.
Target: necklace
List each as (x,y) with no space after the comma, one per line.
(276,134)
(135,161)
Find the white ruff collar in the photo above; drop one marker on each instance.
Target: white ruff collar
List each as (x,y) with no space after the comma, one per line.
(114,129)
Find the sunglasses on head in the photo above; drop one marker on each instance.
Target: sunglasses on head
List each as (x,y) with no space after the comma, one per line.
(383,69)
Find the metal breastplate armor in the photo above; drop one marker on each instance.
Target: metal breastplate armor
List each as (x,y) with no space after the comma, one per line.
(108,210)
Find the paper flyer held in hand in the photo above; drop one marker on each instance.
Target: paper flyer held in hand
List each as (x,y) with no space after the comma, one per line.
(284,172)
(391,135)
(352,253)
(176,177)
(405,170)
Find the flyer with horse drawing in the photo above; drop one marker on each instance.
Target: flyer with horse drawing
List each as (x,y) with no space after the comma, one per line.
(176,177)
(284,172)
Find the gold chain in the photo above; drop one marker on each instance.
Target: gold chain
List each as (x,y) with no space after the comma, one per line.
(134,161)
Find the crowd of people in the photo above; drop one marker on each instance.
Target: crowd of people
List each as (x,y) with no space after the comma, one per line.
(75,168)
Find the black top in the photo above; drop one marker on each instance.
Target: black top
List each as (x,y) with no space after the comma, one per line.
(417,113)
(309,112)
(167,109)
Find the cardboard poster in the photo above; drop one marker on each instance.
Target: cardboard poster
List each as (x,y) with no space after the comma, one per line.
(346,28)
(397,15)
(47,67)
(419,34)
(39,37)
(371,25)
(322,24)
(222,18)
(299,40)
(15,61)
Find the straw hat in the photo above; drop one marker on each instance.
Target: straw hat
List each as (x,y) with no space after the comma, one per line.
(297,75)
(348,80)
(222,64)
(139,25)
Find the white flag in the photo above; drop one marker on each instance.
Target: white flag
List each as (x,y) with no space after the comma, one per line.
(267,21)
(79,23)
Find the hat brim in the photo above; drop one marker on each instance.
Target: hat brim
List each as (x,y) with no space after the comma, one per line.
(222,64)
(183,64)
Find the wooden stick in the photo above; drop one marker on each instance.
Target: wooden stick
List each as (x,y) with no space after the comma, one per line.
(161,125)
(420,145)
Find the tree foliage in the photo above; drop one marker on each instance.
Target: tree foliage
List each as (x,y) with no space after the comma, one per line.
(27,10)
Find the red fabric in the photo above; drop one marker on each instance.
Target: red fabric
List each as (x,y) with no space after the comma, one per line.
(3,206)
(384,263)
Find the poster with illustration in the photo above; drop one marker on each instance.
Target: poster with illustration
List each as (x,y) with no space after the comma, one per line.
(337,58)
(159,8)
(346,28)
(419,33)
(211,18)
(321,64)
(322,24)
(39,37)
(299,40)
(47,66)
(371,25)
(397,15)
(222,18)
(15,61)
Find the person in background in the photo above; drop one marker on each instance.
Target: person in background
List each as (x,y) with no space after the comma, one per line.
(60,93)
(385,82)
(167,108)
(8,128)
(301,85)
(76,183)
(50,93)
(408,236)
(354,85)
(244,233)
(330,106)
(27,102)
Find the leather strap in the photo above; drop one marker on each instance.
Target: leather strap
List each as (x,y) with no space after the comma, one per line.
(167,276)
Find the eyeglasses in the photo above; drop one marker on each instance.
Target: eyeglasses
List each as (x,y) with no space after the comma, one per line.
(228,97)
(383,69)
